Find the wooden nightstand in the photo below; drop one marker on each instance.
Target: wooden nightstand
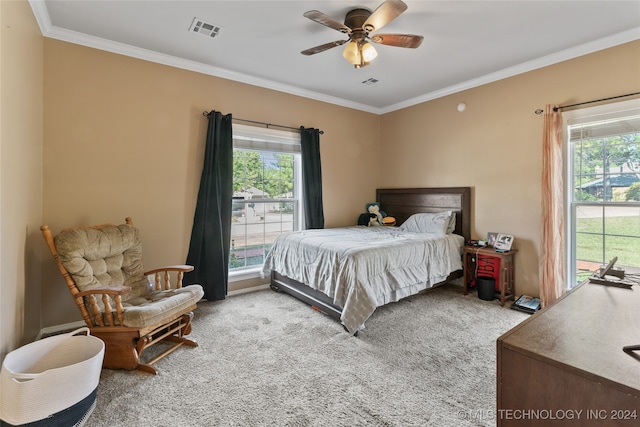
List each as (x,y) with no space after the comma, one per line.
(506,276)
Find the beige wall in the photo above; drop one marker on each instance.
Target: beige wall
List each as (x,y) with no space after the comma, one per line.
(21,50)
(125,137)
(495,146)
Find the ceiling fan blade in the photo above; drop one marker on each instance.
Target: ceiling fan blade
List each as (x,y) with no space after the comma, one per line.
(323,47)
(400,40)
(385,13)
(321,18)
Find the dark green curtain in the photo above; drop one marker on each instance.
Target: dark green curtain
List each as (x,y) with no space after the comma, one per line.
(211,232)
(311,178)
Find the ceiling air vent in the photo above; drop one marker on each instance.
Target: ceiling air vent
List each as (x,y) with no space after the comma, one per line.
(370,81)
(201,27)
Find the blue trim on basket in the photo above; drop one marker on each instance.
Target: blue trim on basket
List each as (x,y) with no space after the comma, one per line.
(74,415)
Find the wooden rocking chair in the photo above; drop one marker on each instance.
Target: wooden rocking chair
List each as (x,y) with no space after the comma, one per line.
(102,266)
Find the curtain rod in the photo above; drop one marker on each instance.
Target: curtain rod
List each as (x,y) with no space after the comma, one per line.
(540,111)
(206,114)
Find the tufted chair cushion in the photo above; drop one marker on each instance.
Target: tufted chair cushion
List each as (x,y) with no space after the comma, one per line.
(108,256)
(112,256)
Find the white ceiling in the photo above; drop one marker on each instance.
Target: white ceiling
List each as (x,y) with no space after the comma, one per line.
(466,43)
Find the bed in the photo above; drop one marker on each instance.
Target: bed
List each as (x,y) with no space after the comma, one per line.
(348,272)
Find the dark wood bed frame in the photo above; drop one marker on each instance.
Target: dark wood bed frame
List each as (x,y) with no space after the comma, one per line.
(399,203)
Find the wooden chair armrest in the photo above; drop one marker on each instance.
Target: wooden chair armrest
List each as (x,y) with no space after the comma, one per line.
(109,290)
(91,312)
(164,281)
(183,268)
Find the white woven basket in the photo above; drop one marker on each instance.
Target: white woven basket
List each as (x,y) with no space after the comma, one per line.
(49,375)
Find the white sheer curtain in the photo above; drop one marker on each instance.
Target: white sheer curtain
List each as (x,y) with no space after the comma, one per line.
(552,251)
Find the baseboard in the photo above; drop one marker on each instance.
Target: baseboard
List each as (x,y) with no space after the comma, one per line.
(58,329)
(245,290)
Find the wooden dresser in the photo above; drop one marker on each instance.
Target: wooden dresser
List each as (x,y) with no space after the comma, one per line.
(565,364)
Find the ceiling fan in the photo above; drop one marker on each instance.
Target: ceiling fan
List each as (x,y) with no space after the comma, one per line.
(358,25)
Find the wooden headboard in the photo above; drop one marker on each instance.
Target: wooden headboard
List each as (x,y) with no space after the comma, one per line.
(400,203)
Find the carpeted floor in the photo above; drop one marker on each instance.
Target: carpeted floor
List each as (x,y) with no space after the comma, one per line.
(267,359)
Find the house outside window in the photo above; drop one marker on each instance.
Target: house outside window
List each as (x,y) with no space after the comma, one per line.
(266,193)
(604,187)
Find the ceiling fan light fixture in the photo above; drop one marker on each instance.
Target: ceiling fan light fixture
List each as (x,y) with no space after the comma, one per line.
(351,53)
(359,54)
(369,53)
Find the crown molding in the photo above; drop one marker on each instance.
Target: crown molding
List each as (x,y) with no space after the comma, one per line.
(42,17)
(554,58)
(172,61)
(50,31)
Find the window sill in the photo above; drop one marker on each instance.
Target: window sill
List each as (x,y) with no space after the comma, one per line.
(248,274)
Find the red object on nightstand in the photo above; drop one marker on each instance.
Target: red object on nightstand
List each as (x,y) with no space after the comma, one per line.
(489,266)
(502,269)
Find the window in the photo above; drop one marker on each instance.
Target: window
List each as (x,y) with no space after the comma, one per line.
(266,192)
(604,187)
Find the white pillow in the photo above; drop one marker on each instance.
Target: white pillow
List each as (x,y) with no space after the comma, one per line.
(452,223)
(431,222)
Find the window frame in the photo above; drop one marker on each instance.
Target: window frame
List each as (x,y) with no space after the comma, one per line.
(260,139)
(573,118)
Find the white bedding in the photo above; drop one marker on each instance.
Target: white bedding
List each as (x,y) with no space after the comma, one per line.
(362,268)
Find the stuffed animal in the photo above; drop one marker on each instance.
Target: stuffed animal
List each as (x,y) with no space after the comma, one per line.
(389,221)
(375,213)
(375,216)
(364,219)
